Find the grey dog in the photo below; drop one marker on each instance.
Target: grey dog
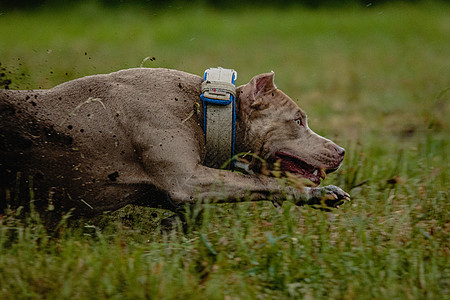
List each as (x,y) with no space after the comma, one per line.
(136,136)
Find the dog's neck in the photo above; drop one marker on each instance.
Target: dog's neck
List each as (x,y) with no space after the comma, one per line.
(241,135)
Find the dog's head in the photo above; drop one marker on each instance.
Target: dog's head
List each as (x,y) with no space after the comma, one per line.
(276,130)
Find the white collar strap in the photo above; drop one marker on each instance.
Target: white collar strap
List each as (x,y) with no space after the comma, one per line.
(219,116)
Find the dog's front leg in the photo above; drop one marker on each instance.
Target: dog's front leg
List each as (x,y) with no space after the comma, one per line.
(212,185)
(220,186)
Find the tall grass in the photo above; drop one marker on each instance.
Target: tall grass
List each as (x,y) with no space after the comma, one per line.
(374,80)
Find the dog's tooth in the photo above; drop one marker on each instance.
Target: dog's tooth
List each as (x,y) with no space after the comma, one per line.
(323,174)
(315,172)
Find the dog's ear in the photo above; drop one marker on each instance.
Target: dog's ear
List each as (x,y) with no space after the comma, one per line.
(262,84)
(250,94)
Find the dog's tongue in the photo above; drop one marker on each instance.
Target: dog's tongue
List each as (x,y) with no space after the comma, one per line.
(294,165)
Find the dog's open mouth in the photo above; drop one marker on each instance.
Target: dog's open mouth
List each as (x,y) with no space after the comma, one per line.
(296,166)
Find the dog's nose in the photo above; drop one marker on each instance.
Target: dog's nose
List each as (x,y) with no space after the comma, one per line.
(340,151)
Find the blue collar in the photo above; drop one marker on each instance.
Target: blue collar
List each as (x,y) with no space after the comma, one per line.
(220,93)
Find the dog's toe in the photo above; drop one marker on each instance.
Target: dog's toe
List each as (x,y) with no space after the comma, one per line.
(328,196)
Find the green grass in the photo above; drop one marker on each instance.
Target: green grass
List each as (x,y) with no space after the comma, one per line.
(374,80)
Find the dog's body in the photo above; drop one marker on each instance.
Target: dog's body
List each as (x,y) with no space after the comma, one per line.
(136,136)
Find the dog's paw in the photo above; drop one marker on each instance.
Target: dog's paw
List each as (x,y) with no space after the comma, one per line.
(324,197)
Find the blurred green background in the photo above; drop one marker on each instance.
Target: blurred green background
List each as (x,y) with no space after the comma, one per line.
(356,69)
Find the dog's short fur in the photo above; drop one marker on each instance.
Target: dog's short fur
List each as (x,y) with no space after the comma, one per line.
(135,136)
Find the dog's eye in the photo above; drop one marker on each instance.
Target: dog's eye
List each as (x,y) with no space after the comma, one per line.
(299,122)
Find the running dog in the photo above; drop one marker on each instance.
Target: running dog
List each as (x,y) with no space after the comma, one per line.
(136,136)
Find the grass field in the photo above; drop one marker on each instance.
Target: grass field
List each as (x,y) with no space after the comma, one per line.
(376,80)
